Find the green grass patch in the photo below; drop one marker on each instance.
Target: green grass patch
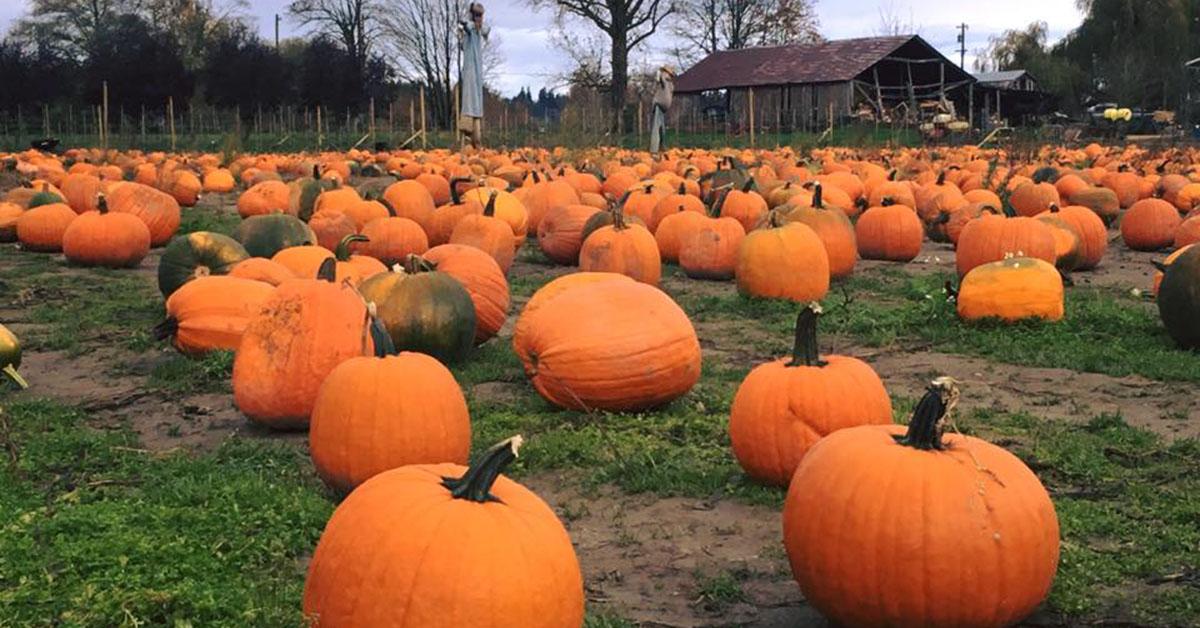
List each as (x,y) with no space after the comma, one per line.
(180,374)
(205,219)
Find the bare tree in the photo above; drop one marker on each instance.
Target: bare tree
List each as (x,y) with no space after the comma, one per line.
(626,24)
(707,26)
(892,22)
(354,23)
(70,26)
(192,24)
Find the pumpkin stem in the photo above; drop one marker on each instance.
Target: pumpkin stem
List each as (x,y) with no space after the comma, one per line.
(11,372)
(328,270)
(536,179)
(166,329)
(414,264)
(748,185)
(818,202)
(317,172)
(380,337)
(490,209)
(682,188)
(887,201)
(455,199)
(805,351)
(718,197)
(101,203)
(476,484)
(342,252)
(929,418)
(941,180)
(1161,267)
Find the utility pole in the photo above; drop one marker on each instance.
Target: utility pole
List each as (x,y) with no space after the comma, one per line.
(962,46)
(276,31)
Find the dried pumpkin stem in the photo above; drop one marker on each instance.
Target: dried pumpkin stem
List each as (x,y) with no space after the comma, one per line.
(490,209)
(476,484)
(928,422)
(11,372)
(328,270)
(805,351)
(818,201)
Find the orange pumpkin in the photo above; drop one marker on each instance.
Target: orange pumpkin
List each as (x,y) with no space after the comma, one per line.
(991,238)
(1188,232)
(42,228)
(331,226)
(488,233)
(628,249)
(744,205)
(411,200)
(834,229)
(889,232)
(391,240)
(1012,289)
(484,281)
(104,238)
(267,197)
(211,313)
(1032,199)
(159,211)
(9,213)
(1150,225)
(560,234)
(783,260)
(263,270)
(710,252)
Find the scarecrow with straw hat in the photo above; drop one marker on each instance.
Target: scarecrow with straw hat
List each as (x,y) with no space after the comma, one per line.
(664,93)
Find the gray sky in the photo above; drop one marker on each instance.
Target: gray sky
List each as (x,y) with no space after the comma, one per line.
(530,60)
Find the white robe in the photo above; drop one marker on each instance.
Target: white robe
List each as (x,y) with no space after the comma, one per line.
(471,72)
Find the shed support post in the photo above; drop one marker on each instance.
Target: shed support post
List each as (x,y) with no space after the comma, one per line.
(750,95)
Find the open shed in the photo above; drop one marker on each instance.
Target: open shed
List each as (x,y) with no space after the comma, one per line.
(802,86)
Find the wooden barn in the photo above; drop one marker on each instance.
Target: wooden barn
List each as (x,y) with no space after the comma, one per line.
(804,86)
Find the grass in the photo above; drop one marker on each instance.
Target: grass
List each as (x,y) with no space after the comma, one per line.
(197,219)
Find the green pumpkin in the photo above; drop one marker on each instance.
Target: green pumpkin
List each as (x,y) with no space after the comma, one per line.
(266,235)
(1179,299)
(197,254)
(1046,174)
(423,310)
(310,189)
(10,356)
(44,197)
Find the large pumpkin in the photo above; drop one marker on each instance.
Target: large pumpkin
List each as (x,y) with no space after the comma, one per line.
(463,547)
(160,211)
(42,228)
(211,313)
(424,310)
(1150,225)
(889,232)
(10,357)
(9,213)
(783,260)
(784,407)
(197,254)
(1179,298)
(711,250)
(609,345)
(550,291)
(1093,235)
(483,280)
(266,235)
(378,413)
(103,238)
(302,332)
(267,197)
(885,526)
(1013,289)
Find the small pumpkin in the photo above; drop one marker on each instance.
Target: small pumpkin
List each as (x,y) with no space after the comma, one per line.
(992,238)
(103,238)
(10,357)
(833,227)
(197,254)
(9,213)
(487,232)
(710,252)
(262,269)
(1150,225)
(266,197)
(391,240)
(560,233)
(889,232)
(628,249)
(42,228)
(784,260)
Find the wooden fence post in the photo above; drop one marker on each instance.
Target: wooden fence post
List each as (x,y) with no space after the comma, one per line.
(104,114)
(171,119)
(424,140)
(751,106)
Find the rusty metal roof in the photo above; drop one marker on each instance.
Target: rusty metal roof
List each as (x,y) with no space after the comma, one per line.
(825,62)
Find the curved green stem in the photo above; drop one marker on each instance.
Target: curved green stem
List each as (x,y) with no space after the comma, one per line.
(476,484)
(11,372)
(342,252)
(455,198)
(805,351)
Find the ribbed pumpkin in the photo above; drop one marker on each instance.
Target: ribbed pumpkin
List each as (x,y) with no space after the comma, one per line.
(211,313)
(303,193)
(1068,242)
(934,199)
(1161,267)
(1179,298)
(560,233)
(1187,233)
(1103,201)
(218,181)
(159,211)
(304,260)
(267,197)
(336,198)
(641,201)
(673,229)
(392,240)
(10,357)
(378,413)
(671,204)
(609,345)
(1150,225)
(487,232)
(889,232)
(745,205)
(331,226)
(628,249)
(424,310)
(545,196)
(885,526)
(446,217)
(42,228)
(1013,289)
(784,260)
(506,207)
(550,291)
(992,238)
(103,238)
(81,191)
(784,407)
(484,281)
(365,211)
(1031,199)
(266,235)
(834,229)
(304,329)
(463,547)
(711,250)
(197,254)
(184,186)
(262,269)
(411,200)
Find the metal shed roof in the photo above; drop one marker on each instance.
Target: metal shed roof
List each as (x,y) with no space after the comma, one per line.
(825,62)
(1004,76)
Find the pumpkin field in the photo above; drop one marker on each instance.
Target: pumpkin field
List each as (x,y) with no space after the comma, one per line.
(941,386)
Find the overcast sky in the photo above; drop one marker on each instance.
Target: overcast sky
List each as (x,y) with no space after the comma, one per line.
(530,59)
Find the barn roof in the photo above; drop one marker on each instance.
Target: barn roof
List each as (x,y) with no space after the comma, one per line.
(824,62)
(1004,76)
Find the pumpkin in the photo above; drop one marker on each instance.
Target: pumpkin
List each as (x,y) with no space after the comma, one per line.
(81,191)
(303,193)
(197,254)
(1150,224)
(1031,199)
(889,232)
(378,413)
(834,229)
(1161,267)
(607,218)
(1068,242)
(484,281)
(1179,298)
(437,185)
(9,213)
(991,238)
(266,235)
(1013,289)
(159,211)
(10,357)
(545,196)
(411,200)
(507,207)
(784,260)
(1187,233)
(937,198)
(365,211)
(673,229)
(711,250)
(551,290)
(267,197)
(304,260)
(331,226)
(218,181)
(1093,235)
(784,407)
(464,547)
(446,217)
(303,330)
(745,205)
(184,186)
(672,204)
(391,240)
(607,344)
(211,313)
(424,310)
(628,249)
(487,232)
(262,269)
(1103,201)
(641,201)
(560,233)
(42,228)
(335,199)
(887,526)
(30,197)
(104,238)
